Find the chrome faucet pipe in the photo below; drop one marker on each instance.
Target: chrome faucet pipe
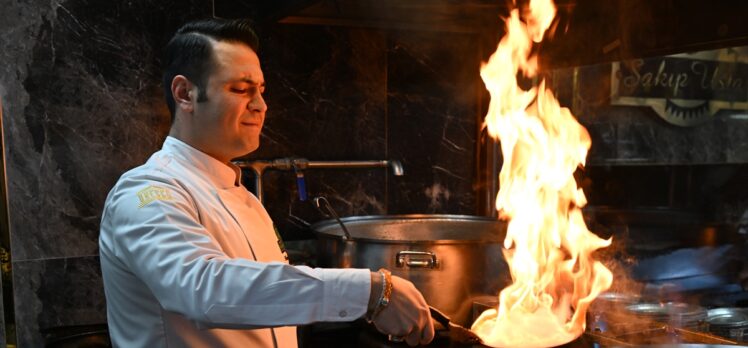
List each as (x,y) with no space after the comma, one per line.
(258,167)
(397,167)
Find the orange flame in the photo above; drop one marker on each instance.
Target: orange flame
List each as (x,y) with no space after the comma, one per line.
(548,246)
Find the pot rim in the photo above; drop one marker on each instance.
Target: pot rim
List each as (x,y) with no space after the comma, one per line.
(316,228)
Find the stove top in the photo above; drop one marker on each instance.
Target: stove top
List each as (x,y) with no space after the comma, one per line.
(663,334)
(669,325)
(359,334)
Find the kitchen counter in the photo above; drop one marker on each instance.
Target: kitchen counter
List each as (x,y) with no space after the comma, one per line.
(360,334)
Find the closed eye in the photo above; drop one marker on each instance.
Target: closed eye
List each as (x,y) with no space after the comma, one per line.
(250,91)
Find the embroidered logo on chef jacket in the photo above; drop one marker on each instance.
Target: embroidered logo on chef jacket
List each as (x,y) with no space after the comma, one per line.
(153,193)
(281,245)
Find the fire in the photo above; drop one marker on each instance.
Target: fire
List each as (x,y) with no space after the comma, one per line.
(548,246)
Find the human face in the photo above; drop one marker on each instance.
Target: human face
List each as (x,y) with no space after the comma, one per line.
(228,124)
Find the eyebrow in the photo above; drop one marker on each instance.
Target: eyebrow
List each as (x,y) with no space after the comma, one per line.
(252,82)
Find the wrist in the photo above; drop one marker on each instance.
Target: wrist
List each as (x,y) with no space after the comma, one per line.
(384,294)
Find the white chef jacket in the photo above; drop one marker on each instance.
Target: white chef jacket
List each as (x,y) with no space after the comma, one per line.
(190,258)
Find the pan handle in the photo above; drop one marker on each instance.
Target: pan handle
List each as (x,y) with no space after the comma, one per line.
(416,259)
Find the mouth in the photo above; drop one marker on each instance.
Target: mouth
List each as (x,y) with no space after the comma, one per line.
(251,124)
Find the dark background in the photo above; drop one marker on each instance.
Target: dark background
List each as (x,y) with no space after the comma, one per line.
(82,103)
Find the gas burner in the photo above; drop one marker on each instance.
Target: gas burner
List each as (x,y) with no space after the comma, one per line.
(655,335)
(640,324)
(618,320)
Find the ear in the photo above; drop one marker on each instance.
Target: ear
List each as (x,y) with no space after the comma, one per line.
(184,93)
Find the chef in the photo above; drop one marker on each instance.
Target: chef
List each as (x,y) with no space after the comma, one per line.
(189,257)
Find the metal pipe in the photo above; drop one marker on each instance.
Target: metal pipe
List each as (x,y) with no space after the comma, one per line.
(258,167)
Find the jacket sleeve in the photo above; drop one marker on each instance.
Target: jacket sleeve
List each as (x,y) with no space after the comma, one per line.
(152,227)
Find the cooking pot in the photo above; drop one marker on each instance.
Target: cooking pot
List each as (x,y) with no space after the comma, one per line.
(451,259)
(731,323)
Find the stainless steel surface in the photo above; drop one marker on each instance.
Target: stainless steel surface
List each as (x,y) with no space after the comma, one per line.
(465,252)
(258,167)
(424,259)
(661,337)
(617,298)
(397,168)
(730,323)
(441,229)
(623,329)
(605,306)
(728,316)
(323,205)
(682,315)
(665,309)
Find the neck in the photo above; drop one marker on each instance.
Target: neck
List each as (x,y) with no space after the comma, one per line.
(190,139)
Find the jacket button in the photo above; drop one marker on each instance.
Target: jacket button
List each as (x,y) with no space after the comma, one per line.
(343,314)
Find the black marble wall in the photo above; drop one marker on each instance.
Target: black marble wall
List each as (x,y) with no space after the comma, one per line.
(432,96)
(358,94)
(80,81)
(326,95)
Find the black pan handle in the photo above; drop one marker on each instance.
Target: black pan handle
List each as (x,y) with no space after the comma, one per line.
(440,317)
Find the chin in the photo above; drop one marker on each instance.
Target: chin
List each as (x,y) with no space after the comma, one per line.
(252,147)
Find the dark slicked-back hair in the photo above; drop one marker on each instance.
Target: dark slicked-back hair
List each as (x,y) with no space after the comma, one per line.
(190,51)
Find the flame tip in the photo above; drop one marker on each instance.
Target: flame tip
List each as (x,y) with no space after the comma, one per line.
(547,245)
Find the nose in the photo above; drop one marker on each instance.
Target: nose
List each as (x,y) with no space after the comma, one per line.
(258,104)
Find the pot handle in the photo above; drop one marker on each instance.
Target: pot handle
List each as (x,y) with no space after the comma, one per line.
(416,259)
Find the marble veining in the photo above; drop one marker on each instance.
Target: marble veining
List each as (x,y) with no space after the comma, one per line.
(80,82)
(83,103)
(94,110)
(56,293)
(432,117)
(326,96)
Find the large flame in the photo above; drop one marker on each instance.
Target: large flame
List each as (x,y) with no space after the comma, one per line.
(548,245)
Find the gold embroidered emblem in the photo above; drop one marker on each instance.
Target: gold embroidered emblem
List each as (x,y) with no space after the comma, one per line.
(153,193)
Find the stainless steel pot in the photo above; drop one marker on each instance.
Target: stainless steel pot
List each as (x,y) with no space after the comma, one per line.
(730,323)
(451,259)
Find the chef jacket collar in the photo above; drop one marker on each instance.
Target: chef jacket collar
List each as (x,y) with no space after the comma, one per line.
(224,175)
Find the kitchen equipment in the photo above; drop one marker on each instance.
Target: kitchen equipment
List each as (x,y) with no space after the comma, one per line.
(323,205)
(731,323)
(298,165)
(457,333)
(623,328)
(615,300)
(606,306)
(451,259)
(676,314)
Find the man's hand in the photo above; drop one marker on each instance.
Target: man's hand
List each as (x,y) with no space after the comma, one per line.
(407,314)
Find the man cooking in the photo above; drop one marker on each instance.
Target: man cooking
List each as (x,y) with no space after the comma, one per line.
(189,257)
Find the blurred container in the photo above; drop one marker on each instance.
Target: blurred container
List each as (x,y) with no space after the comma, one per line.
(676,314)
(730,323)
